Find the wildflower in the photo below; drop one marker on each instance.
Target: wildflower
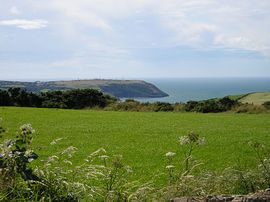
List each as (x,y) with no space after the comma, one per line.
(129,169)
(170,154)
(189,176)
(41,173)
(104,157)
(183,140)
(28,153)
(55,141)
(25,133)
(27,129)
(79,185)
(52,159)
(191,138)
(95,153)
(201,141)
(169,167)
(69,151)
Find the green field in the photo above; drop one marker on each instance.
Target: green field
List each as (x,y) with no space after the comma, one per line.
(256,98)
(143,138)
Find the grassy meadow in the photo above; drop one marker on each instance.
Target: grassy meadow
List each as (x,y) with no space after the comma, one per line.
(256,98)
(143,138)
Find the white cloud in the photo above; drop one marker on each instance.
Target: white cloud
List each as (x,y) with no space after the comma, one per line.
(190,33)
(227,24)
(25,24)
(241,24)
(71,62)
(14,10)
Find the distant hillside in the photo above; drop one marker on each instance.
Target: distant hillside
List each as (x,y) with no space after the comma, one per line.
(256,98)
(117,88)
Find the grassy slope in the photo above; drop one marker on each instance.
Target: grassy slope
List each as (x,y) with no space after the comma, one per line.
(256,98)
(237,97)
(143,138)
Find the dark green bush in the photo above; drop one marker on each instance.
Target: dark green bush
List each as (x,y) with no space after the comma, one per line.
(212,105)
(70,99)
(267,104)
(162,107)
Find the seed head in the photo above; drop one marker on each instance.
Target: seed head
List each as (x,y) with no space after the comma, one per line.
(170,154)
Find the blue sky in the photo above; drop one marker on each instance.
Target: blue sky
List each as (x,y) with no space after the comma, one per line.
(120,39)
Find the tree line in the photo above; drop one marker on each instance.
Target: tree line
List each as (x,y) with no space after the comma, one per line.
(204,106)
(70,99)
(92,98)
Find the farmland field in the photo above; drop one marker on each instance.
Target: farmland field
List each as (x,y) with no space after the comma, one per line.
(142,138)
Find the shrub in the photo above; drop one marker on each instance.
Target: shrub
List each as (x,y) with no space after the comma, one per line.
(179,107)
(132,105)
(212,105)
(267,104)
(249,108)
(162,106)
(18,182)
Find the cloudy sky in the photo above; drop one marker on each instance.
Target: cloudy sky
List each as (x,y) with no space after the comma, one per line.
(82,39)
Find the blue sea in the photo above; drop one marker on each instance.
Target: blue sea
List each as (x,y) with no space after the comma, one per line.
(185,89)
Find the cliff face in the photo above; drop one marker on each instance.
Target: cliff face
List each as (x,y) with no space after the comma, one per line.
(117,88)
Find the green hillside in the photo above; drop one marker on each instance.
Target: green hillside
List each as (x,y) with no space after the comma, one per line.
(256,98)
(142,138)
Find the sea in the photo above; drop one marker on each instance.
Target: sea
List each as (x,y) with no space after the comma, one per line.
(185,89)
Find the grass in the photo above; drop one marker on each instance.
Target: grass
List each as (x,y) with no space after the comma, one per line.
(237,97)
(256,98)
(143,138)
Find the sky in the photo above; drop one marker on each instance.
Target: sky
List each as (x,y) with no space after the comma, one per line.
(122,39)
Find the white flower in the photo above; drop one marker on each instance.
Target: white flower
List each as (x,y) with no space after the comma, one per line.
(170,154)
(27,129)
(28,153)
(183,140)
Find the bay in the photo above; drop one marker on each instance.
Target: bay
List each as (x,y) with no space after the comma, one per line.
(185,89)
